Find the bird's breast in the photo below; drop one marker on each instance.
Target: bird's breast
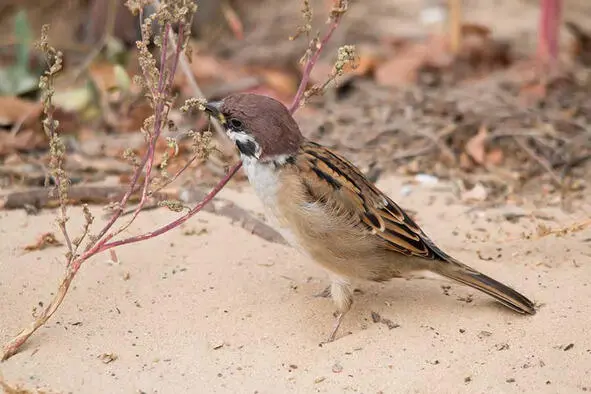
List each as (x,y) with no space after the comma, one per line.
(266,181)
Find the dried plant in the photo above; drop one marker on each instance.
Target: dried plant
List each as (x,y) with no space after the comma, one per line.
(346,54)
(156,79)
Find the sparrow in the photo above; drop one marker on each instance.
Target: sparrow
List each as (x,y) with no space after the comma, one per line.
(328,210)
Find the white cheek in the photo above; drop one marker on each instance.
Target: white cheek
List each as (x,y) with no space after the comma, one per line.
(243,138)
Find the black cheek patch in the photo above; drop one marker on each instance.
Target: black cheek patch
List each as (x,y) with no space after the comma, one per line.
(248,148)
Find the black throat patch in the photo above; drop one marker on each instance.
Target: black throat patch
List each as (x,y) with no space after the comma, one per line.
(247,148)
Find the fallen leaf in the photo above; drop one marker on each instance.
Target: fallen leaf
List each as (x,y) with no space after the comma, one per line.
(133,120)
(207,68)
(24,140)
(403,69)
(495,157)
(466,162)
(475,147)
(581,46)
(13,110)
(107,78)
(408,62)
(74,100)
(475,30)
(46,240)
(283,82)
(532,92)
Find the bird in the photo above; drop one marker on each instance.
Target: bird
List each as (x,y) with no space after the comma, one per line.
(325,207)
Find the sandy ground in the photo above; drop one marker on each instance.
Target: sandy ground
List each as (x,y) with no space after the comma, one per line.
(225,311)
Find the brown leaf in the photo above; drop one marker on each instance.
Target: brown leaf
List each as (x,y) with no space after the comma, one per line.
(481,51)
(412,57)
(134,118)
(24,117)
(475,146)
(402,69)
(475,29)
(14,110)
(45,240)
(532,92)
(24,140)
(495,157)
(283,82)
(465,162)
(102,75)
(581,46)
(207,68)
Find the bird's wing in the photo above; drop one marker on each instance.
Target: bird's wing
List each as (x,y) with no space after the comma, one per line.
(335,180)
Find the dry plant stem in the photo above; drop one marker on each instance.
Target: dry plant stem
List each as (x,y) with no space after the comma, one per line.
(75,262)
(311,62)
(160,97)
(12,347)
(59,185)
(186,69)
(102,243)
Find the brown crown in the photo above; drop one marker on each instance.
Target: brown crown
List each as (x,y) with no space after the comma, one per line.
(267,120)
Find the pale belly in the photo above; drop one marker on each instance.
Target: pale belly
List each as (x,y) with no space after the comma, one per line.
(265,183)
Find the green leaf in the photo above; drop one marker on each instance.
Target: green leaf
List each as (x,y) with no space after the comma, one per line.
(75,99)
(16,81)
(122,78)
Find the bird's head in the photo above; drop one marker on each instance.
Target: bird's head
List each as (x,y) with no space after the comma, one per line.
(262,128)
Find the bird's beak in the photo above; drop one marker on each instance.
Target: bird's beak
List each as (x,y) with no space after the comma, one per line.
(213,109)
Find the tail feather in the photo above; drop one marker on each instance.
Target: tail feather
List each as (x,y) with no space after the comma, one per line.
(502,293)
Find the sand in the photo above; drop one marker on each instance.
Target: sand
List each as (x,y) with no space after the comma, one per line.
(212,308)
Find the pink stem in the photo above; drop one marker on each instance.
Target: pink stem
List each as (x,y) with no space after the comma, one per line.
(310,63)
(548,35)
(159,111)
(148,159)
(104,245)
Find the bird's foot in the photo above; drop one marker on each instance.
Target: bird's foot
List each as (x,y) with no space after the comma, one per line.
(335,328)
(326,293)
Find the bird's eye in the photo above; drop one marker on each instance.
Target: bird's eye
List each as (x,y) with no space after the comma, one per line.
(235,123)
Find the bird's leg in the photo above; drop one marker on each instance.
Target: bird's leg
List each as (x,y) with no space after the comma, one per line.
(324,293)
(335,328)
(342,296)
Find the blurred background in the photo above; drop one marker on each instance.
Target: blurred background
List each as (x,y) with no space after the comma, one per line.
(493,94)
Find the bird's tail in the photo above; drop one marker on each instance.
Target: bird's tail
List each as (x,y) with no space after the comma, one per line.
(502,293)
